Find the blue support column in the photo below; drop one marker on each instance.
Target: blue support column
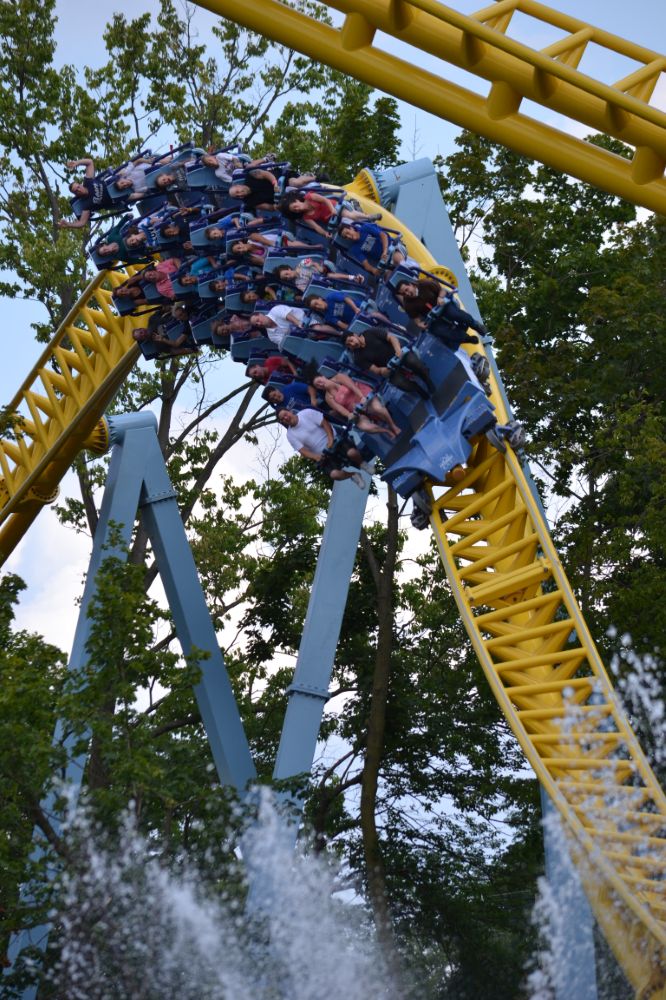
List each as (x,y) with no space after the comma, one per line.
(309,690)
(119,506)
(214,694)
(138,479)
(412,192)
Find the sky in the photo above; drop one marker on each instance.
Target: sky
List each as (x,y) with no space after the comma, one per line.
(52,559)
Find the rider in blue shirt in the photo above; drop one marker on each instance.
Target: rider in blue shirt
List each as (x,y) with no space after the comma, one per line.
(336,308)
(371,246)
(293,395)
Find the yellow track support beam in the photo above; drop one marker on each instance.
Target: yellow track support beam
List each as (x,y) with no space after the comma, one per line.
(58,411)
(512,592)
(546,674)
(479,44)
(544,669)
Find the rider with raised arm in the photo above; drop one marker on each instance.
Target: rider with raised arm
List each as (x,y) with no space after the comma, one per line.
(91,191)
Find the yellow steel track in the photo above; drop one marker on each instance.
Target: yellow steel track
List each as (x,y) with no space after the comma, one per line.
(546,674)
(513,595)
(479,44)
(544,669)
(59,408)
(511,589)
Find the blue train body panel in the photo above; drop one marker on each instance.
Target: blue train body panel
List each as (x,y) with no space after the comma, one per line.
(436,432)
(442,442)
(439,405)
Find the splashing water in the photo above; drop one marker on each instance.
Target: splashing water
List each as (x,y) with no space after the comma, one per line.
(564,963)
(130,928)
(542,980)
(571,961)
(640,690)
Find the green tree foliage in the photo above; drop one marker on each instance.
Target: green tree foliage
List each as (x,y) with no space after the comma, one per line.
(147,743)
(340,133)
(32,675)
(155,74)
(572,287)
(168,75)
(44,112)
(427,804)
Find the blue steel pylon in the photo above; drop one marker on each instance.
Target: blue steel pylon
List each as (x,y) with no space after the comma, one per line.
(138,480)
(411,192)
(308,691)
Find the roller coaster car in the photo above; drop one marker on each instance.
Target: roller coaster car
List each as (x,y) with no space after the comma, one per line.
(234,304)
(203,178)
(436,432)
(250,350)
(243,235)
(180,155)
(201,321)
(203,285)
(304,350)
(291,257)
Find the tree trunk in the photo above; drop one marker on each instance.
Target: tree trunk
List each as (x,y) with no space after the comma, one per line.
(375,873)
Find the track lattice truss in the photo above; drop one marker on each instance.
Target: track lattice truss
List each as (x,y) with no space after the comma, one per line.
(59,408)
(513,594)
(544,669)
(479,43)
